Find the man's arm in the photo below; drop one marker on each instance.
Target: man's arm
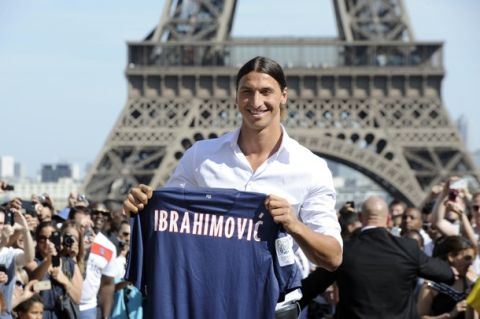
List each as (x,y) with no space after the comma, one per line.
(316,283)
(323,250)
(28,245)
(434,269)
(107,289)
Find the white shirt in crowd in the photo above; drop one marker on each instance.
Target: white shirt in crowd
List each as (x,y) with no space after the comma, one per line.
(101,261)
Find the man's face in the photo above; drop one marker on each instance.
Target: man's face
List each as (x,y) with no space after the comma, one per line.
(259,99)
(99,219)
(476,210)
(396,213)
(412,219)
(44,213)
(124,233)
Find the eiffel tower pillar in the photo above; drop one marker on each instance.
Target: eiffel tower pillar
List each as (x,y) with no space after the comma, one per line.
(370,99)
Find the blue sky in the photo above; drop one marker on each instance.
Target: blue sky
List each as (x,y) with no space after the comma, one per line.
(62,82)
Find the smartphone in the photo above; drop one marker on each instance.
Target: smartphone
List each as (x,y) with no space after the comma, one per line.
(10,218)
(56,239)
(42,285)
(458,184)
(351,203)
(3,268)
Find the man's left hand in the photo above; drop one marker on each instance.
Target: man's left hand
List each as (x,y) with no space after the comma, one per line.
(282,213)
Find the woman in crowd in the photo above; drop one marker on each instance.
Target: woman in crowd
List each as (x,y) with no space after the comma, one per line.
(73,243)
(444,301)
(63,273)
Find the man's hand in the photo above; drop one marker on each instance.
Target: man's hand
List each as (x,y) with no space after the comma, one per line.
(15,204)
(282,213)
(3,277)
(137,198)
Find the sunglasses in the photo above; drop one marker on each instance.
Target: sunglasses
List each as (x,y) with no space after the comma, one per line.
(43,238)
(125,234)
(18,283)
(99,213)
(476,207)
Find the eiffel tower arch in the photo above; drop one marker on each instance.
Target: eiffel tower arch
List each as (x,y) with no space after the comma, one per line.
(370,99)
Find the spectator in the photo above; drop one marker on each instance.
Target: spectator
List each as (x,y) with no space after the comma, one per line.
(439,300)
(379,271)
(11,258)
(66,279)
(396,210)
(32,308)
(450,214)
(350,224)
(100,274)
(412,220)
(73,244)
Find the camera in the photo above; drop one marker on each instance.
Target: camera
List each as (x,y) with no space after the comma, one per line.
(68,240)
(8,187)
(453,194)
(350,203)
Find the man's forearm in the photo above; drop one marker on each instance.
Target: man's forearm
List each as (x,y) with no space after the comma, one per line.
(107,289)
(323,250)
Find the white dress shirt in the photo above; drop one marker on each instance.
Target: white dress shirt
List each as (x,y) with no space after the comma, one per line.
(293,172)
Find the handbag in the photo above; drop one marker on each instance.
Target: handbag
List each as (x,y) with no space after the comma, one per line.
(67,308)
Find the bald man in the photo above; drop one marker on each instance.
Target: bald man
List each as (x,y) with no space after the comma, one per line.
(379,271)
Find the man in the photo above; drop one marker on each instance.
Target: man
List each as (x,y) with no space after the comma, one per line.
(261,157)
(379,271)
(412,220)
(397,208)
(101,269)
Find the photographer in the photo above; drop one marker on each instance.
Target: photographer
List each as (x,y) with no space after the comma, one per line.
(10,258)
(450,212)
(61,301)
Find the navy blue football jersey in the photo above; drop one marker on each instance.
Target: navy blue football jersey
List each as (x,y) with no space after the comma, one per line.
(208,253)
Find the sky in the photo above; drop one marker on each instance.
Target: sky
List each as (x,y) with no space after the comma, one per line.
(62,83)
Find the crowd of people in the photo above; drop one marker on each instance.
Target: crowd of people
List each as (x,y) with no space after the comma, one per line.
(378,260)
(66,263)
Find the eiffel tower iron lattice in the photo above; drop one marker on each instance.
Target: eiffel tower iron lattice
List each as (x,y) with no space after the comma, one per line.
(370,99)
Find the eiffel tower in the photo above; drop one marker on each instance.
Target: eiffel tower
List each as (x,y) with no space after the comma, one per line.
(370,99)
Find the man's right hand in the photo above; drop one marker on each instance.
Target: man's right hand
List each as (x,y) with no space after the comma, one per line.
(137,198)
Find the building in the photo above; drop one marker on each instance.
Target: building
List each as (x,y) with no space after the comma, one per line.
(53,172)
(58,191)
(7,167)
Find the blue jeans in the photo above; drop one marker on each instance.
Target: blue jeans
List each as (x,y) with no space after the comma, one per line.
(89,313)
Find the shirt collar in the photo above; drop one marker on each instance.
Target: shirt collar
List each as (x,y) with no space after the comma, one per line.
(232,139)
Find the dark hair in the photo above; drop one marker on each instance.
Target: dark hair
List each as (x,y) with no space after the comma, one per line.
(263,65)
(397,202)
(80,259)
(77,209)
(413,234)
(451,245)
(345,219)
(43,225)
(27,304)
